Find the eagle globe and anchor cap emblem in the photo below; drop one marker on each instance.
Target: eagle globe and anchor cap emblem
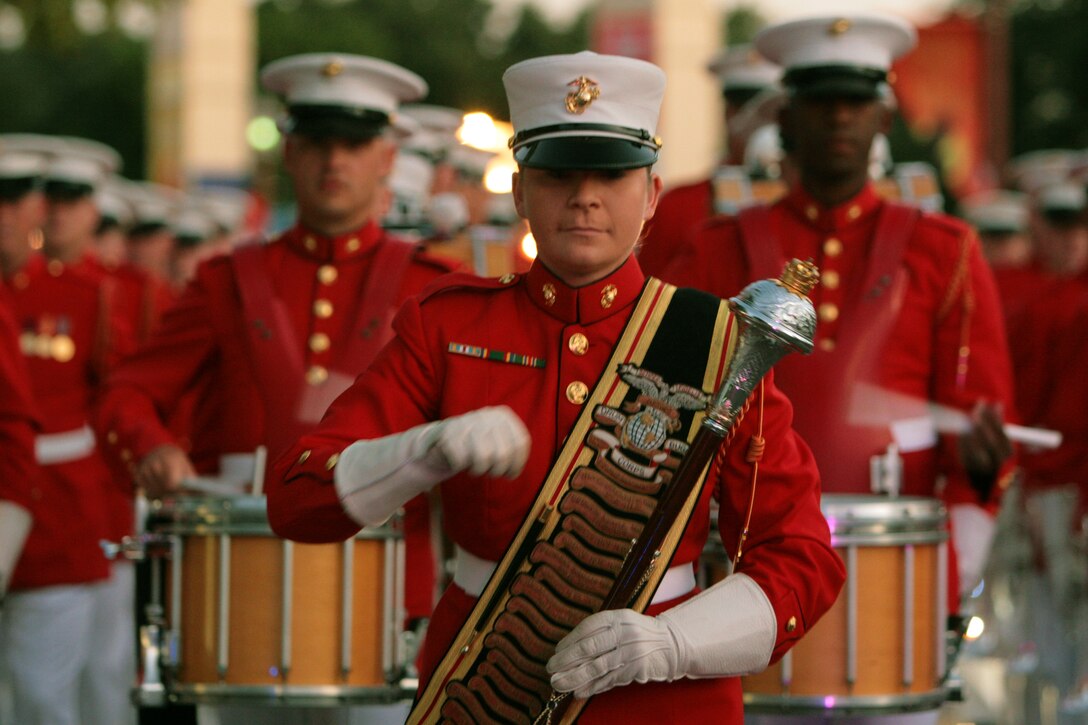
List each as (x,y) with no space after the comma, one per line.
(585,92)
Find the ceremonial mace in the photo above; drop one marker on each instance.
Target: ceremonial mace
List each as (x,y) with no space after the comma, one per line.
(778,318)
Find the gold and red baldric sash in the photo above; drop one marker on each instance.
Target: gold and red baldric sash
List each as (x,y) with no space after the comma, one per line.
(632,434)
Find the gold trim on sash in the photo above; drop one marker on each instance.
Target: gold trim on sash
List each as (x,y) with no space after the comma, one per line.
(578,453)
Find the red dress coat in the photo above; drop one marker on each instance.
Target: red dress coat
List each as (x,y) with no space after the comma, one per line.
(930,329)
(208,341)
(67,324)
(18,415)
(680,212)
(417,379)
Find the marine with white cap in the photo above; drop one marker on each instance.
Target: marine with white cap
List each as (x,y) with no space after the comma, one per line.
(906,303)
(1059,227)
(67,635)
(273,332)
(751,94)
(492,382)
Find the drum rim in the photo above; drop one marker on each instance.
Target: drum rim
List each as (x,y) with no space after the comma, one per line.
(237,515)
(846,704)
(209,693)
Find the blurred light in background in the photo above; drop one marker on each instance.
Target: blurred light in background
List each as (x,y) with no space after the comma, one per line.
(528,246)
(975,628)
(12,28)
(262,134)
(90,16)
(480,131)
(497,174)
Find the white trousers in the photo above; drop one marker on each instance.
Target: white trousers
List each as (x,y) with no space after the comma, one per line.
(106,686)
(45,646)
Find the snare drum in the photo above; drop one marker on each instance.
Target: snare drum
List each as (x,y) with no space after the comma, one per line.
(249,616)
(881,647)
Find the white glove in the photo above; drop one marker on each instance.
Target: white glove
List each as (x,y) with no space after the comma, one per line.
(972,535)
(376,477)
(15,523)
(727,630)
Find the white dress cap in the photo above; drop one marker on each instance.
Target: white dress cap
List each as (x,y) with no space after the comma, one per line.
(21,159)
(81,162)
(411,176)
(339,83)
(1034,170)
(584,111)
(996,212)
(1062,199)
(153,205)
(742,68)
(861,45)
(112,203)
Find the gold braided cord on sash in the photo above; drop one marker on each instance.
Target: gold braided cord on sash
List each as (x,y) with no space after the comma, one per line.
(493,670)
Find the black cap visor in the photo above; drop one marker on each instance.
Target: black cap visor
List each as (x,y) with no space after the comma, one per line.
(738,96)
(835,82)
(585,152)
(323,122)
(66,190)
(16,189)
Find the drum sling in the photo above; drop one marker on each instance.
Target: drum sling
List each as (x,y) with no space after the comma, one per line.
(616,463)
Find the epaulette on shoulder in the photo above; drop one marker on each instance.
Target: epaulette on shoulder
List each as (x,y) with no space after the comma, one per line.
(467,282)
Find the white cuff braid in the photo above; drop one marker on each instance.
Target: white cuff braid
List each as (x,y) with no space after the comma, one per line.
(376,477)
(727,630)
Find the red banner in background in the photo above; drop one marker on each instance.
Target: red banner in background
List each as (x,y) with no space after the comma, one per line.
(624,31)
(942,91)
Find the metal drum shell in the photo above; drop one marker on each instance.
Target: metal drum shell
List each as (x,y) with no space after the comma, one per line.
(881,647)
(253,618)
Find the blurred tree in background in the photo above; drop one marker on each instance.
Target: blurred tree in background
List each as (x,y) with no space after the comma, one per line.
(78,67)
(1049,82)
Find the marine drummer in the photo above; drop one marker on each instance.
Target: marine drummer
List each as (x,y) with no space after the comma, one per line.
(907,305)
(272,332)
(488,380)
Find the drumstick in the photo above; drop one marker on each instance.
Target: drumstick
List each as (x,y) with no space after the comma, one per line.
(260,460)
(916,421)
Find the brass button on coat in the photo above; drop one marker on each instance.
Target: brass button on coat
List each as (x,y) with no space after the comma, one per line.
(548,290)
(830,279)
(326,274)
(832,247)
(578,343)
(304,457)
(791,624)
(577,392)
(319,342)
(333,460)
(353,244)
(828,312)
(316,375)
(323,309)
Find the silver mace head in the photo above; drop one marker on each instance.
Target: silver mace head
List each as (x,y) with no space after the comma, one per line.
(778,318)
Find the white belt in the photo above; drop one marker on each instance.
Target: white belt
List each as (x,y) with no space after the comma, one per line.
(471,573)
(70,445)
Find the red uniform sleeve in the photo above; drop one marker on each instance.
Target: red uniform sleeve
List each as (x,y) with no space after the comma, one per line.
(143,390)
(392,396)
(18,420)
(679,212)
(787,549)
(971,361)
